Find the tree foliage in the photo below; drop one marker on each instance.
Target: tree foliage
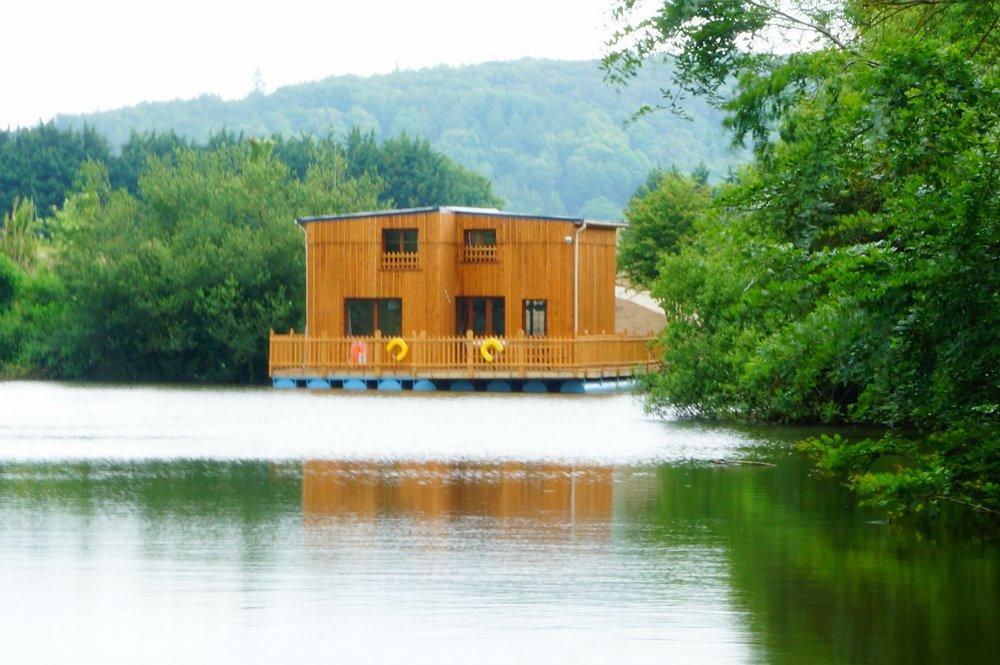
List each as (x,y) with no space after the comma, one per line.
(171,260)
(660,215)
(413,173)
(851,273)
(183,280)
(19,234)
(41,164)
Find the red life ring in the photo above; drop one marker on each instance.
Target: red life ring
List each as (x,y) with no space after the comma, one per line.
(359,353)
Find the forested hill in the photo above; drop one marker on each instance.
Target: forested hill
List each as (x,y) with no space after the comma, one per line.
(551,135)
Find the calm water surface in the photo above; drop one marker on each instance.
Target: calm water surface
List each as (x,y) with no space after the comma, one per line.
(164,525)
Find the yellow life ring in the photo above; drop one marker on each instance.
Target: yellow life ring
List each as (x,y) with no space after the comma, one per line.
(397,348)
(490,348)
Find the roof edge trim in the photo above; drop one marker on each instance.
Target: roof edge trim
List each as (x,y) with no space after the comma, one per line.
(486,212)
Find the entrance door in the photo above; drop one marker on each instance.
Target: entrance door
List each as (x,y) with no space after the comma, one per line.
(482,315)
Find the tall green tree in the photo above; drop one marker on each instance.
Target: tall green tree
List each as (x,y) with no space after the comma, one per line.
(40,163)
(415,174)
(19,234)
(125,168)
(850,274)
(660,215)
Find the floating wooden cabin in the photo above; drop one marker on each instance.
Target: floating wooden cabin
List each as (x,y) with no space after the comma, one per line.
(460,299)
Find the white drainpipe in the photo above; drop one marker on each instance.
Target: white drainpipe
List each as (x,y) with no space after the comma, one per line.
(576,277)
(305,241)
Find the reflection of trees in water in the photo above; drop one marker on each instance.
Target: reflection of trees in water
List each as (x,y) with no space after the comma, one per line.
(815,581)
(228,491)
(215,508)
(550,493)
(818,581)
(257,492)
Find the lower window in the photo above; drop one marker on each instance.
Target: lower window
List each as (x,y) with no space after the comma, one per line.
(483,316)
(366,315)
(535,319)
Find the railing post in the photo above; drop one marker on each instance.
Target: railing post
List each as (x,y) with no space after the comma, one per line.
(469,353)
(413,356)
(519,349)
(377,352)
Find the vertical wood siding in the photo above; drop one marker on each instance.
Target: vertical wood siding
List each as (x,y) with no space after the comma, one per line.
(533,262)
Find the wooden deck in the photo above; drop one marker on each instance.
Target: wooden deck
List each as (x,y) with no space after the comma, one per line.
(587,357)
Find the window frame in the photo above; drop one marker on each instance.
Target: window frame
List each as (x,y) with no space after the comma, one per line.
(484,234)
(494,326)
(402,240)
(375,308)
(529,312)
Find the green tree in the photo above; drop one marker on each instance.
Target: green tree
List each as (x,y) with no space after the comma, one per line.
(40,163)
(183,280)
(415,174)
(9,276)
(18,235)
(660,215)
(125,168)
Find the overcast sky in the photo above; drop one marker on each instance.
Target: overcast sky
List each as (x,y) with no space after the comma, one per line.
(80,56)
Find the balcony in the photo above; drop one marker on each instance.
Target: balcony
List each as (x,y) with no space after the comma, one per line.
(401,261)
(481,254)
(594,356)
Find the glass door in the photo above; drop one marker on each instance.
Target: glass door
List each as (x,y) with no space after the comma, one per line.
(483,315)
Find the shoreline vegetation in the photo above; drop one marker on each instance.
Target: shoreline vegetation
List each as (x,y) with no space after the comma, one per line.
(172,261)
(850,274)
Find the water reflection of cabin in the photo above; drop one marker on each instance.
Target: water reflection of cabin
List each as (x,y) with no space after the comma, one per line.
(459,298)
(544,492)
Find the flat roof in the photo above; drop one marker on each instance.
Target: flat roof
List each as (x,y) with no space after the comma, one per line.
(486,212)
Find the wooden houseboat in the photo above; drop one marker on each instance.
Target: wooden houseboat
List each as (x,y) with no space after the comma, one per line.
(459,299)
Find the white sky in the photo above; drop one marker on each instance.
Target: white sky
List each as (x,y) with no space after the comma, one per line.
(88,55)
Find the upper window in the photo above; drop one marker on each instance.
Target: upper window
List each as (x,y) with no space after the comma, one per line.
(399,241)
(399,249)
(481,246)
(480,237)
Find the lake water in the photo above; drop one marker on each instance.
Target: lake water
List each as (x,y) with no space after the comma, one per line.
(185,525)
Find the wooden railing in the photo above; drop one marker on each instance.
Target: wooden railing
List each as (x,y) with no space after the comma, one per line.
(401,261)
(481,254)
(428,356)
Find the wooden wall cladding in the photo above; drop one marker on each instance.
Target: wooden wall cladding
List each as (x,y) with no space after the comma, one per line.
(534,261)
